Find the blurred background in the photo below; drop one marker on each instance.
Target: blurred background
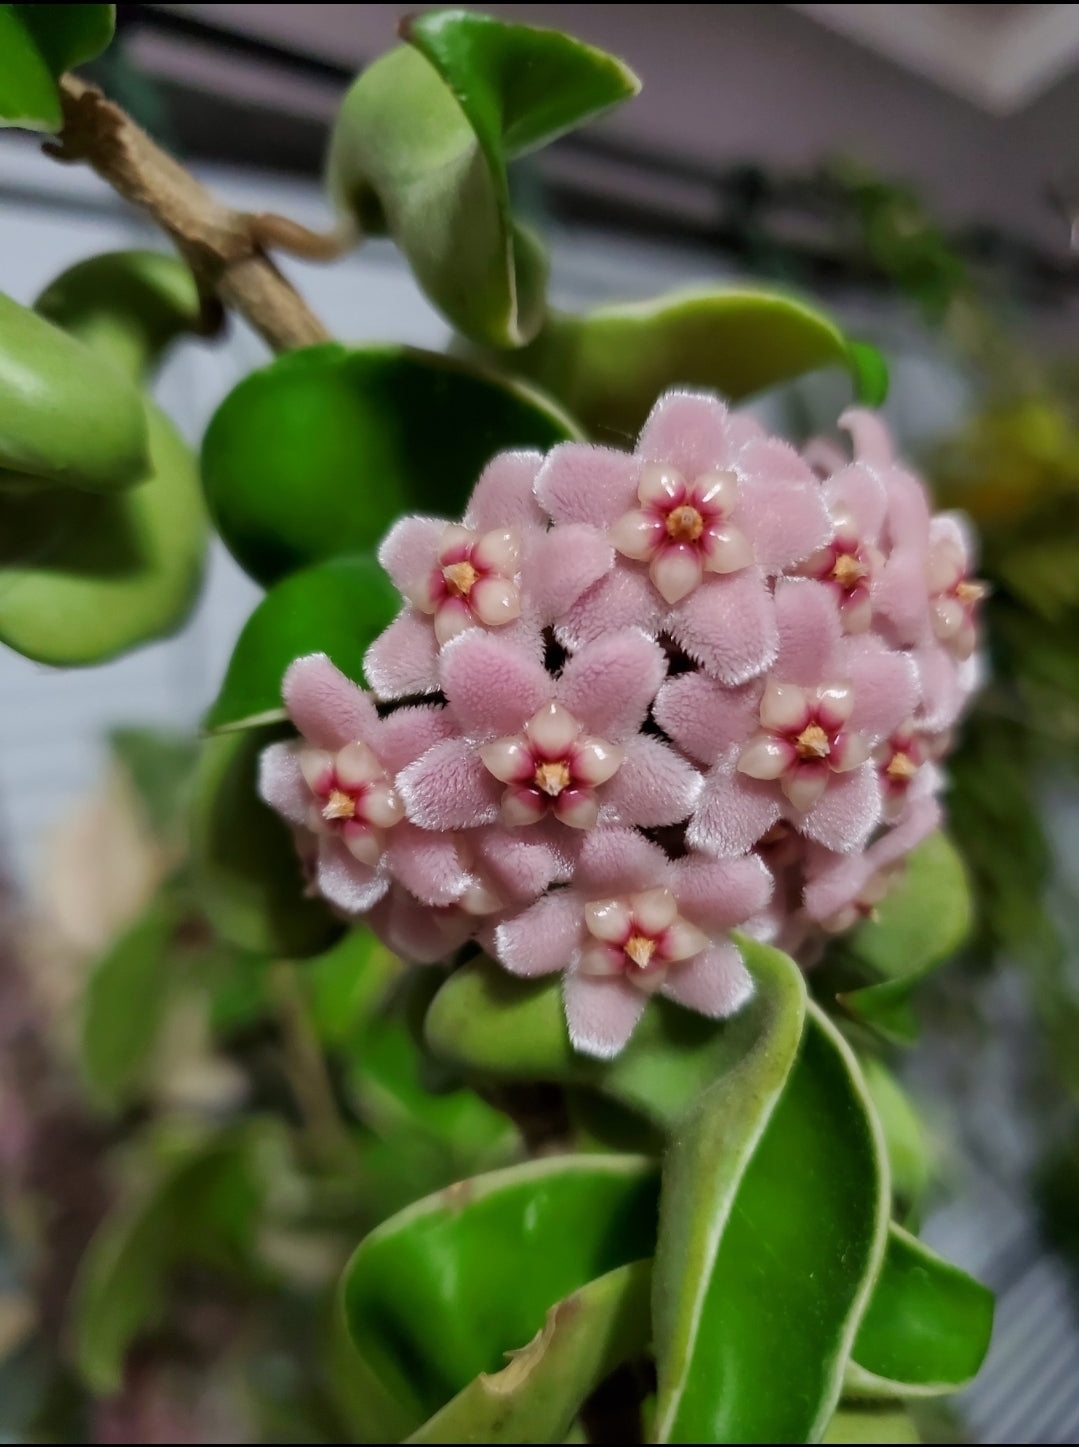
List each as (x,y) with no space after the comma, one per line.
(912,168)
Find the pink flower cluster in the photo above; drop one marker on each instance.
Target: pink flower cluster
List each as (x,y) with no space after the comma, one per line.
(634,701)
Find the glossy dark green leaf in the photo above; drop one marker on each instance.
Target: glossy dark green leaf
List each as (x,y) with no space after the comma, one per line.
(66,415)
(609,366)
(919,924)
(37,44)
(927,1327)
(124,1005)
(317,454)
(347,984)
(125,305)
(420,150)
(190,1198)
(769,1246)
(537,1396)
(246,871)
(85,577)
(871,1424)
(442,1291)
(338,607)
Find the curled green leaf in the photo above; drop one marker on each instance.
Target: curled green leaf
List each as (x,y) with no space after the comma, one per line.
(66,415)
(927,1327)
(420,148)
(127,306)
(425,1294)
(317,454)
(608,366)
(37,44)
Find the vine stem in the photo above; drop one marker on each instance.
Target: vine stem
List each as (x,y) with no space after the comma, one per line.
(223,247)
(306,1067)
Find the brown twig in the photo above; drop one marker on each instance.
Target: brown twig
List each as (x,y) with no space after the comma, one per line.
(223,247)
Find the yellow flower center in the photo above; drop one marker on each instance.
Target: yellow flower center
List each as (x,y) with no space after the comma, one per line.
(460,578)
(812,743)
(339,805)
(640,949)
(848,571)
(552,778)
(969,591)
(684,524)
(901,767)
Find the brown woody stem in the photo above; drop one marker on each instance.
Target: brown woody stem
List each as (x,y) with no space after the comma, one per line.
(223,247)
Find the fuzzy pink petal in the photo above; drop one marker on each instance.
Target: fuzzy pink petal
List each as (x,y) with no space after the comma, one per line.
(619,861)
(544,937)
(579,483)
(344,881)
(780,506)
(327,708)
(503,497)
(733,813)
(955,528)
(741,430)
(833,881)
(942,693)
(492,683)
(449,788)
(403,659)
(858,493)
(872,444)
(908,510)
(519,862)
(416,932)
(900,593)
(921,818)
(409,550)
(406,734)
(281,784)
(689,431)
(654,786)
(559,566)
(623,598)
(601,1014)
(609,684)
(885,687)
(704,718)
(847,813)
(718,894)
(728,625)
(427,863)
(715,983)
(809,633)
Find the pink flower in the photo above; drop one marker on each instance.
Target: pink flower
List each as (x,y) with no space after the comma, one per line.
(634,923)
(796,746)
(500,570)
(704,643)
(529,743)
(703,513)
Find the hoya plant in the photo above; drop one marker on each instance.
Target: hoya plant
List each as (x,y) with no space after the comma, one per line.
(564,845)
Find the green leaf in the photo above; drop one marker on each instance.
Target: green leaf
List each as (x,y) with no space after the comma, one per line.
(125,305)
(905,1137)
(338,607)
(536,1397)
(159,764)
(927,1327)
(66,415)
(246,871)
(439,1293)
(774,1220)
(920,923)
(194,1199)
(608,366)
(85,577)
(317,454)
(348,983)
(871,1424)
(420,147)
(124,1005)
(870,374)
(486,1021)
(37,44)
